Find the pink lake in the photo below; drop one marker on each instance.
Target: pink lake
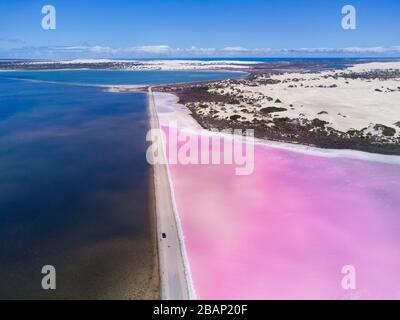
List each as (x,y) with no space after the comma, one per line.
(287,230)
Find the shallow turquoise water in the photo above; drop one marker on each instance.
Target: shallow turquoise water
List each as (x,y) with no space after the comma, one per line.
(115,77)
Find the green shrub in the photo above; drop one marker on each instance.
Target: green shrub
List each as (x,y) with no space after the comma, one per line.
(272,110)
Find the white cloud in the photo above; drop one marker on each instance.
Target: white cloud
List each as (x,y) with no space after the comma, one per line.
(235,49)
(151,49)
(100,51)
(370,49)
(262,50)
(195,49)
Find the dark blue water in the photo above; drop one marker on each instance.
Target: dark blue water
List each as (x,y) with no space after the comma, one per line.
(75,186)
(113,77)
(74,192)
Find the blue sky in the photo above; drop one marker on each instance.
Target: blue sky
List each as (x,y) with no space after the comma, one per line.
(177,28)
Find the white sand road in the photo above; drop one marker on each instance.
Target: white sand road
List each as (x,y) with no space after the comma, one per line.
(175,277)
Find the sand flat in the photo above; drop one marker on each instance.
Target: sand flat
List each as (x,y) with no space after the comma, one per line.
(346,104)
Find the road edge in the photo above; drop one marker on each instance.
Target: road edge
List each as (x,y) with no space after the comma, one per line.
(176,281)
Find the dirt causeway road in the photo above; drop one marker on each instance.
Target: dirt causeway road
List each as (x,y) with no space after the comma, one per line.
(174,274)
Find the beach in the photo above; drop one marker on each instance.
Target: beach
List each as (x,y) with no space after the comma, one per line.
(129,65)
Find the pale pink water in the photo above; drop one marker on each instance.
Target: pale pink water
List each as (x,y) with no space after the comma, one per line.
(286,231)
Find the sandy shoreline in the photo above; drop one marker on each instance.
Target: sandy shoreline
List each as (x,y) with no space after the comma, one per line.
(156,288)
(129,65)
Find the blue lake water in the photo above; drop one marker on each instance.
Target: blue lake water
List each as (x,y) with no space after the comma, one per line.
(114,77)
(73,191)
(75,187)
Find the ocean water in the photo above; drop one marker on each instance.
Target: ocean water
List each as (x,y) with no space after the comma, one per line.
(114,77)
